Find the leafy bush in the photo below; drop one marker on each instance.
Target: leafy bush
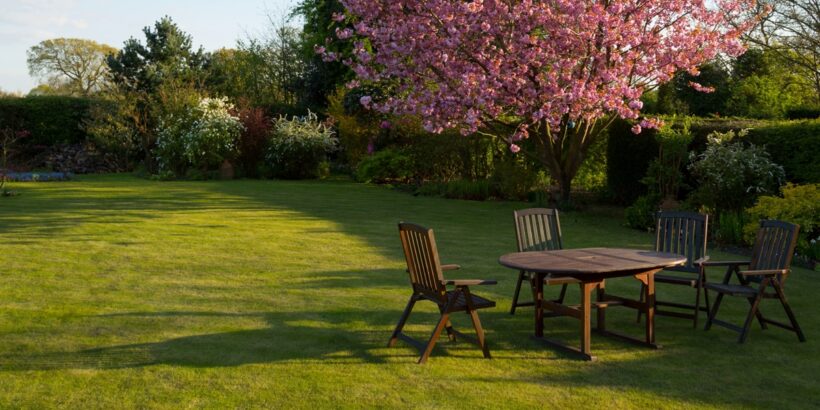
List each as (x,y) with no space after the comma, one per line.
(641,214)
(203,136)
(387,166)
(513,180)
(664,175)
(298,147)
(214,134)
(51,120)
(253,139)
(800,204)
(731,175)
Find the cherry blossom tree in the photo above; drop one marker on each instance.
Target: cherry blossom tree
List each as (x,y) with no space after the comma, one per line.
(556,71)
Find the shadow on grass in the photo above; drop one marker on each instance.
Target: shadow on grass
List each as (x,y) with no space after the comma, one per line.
(326,337)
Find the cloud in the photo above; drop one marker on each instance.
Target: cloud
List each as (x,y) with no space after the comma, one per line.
(31,21)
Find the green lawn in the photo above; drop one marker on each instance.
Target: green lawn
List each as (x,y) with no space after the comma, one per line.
(121,292)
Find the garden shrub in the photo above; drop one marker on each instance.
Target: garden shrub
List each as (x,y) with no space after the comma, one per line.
(253,139)
(50,120)
(513,180)
(799,204)
(731,175)
(297,147)
(664,176)
(202,136)
(387,166)
(641,214)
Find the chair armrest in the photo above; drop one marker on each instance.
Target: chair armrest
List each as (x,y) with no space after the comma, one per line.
(701,261)
(764,272)
(469,282)
(724,263)
(451,266)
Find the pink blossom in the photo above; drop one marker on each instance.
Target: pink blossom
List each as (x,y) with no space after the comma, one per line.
(636,129)
(344,34)
(386,125)
(319,49)
(547,63)
(514,148)
(365,101)
(701,88)
(338,17)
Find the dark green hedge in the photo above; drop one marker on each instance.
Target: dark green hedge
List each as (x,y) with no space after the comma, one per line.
(628,157)
(794,145)
(50,119)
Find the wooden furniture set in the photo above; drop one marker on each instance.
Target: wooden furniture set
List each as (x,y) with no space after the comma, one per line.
(679,253)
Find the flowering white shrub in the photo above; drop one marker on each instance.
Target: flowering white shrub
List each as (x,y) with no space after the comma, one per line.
(298,146)
(202,136)
(731,175)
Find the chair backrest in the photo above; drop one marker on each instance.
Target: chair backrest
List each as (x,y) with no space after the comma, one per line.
(537,229)
(423,264)
(682,233)
(774,245)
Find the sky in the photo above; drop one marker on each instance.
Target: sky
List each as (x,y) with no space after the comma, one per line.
(212,24)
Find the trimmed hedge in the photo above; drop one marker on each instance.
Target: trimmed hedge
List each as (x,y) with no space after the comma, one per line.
(628,157)
(794,145)
(51,120)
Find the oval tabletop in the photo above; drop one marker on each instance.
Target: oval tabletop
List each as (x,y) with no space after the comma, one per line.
(590,261)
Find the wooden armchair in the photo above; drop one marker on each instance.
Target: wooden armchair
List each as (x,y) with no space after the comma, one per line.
(682,233)
(538,229)
(427,279)
(770,266)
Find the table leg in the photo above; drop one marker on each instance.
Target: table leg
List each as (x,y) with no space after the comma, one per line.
(650,308)
(601,309)
(539,305)
(586,315)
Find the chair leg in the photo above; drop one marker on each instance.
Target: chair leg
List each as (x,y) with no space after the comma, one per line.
(641,299)
(697,304)
(434,337)
(521,277)
(713,312)
(451,334)
(402,321)
(758,315)
(753,311)
(479,331)
(563,294)
(788,309)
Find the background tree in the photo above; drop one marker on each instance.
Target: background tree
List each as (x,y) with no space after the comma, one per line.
(559,71)
(321,77)
(167,55)
(73,65)
(264,71)
(792,31)
(155,79)
(679,97)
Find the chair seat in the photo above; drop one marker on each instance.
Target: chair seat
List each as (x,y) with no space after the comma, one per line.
(731,289)
(478,301)
(676,279)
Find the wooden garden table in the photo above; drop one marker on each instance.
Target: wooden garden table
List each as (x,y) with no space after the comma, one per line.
(592,266)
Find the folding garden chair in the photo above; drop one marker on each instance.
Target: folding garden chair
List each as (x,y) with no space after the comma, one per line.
(538,229)
(427,279)
(682,233)
(769,267)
